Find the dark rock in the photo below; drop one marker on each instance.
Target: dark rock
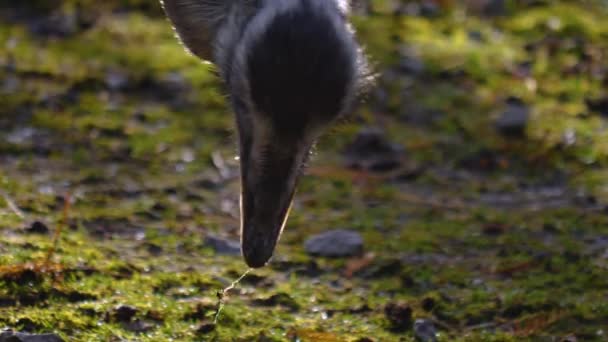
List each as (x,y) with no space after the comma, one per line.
(73,296)
(10,336)
(27,324)
(513,121)
(7,301)
(307,269)
(372,152)
(207,184)
(24,276)
(495,8)
(410,8)
(494,229)
(223,246)
(90,312)
(258,281)
(279,299)
(483,160)
(430,9)
(37,227)
(598,105)
(116,80)
(411,65)
(108,228)
(476,36)
(516,310)
(30,298)
(399,316)
(200,311)
(153,248)
(425,331)
(58,24)
(123,313)
(155,316)
(428,303)
(383,268)
(335,243)
(205,328)
(138,326)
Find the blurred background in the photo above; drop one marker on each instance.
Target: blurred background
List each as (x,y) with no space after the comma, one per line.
(471,181)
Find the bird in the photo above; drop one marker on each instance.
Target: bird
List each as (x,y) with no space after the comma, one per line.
(291,69)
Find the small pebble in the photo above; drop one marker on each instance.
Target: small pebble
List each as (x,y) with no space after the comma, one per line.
(10,336)
(425,331)
(335,243)
(37,227)
(513,121)
(223,246)
(205,328)
(123,313)
(399,315)
(372,151)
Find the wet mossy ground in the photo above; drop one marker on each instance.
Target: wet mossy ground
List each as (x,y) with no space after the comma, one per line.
(492,231)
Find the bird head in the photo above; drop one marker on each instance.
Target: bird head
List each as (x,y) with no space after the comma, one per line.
(292,67)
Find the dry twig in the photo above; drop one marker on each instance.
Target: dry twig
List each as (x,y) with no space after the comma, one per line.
(222,294)
(11,205)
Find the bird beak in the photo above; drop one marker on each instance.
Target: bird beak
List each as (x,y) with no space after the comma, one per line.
(269,174)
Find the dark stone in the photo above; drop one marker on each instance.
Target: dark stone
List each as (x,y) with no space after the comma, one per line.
(513,121)
(476,36)
(90,312)
(598,105)
(411,65)
(73,296)
(200,311)
(223,246)
(123,313)
(483,160)
(383,268)
(309,268)
(7,301)
(279,299)
(371,151)
(495,8)
(335,243)
(24,276)
(399,316)
(569,338)
(494,229)
(116,80)
(153,248)
(516,310)
(425,331)
(428,303)
(430,9)
(27,324)
(205,328)
(256,280)
(207,184)
(10,336)
(138,326)
(37,227)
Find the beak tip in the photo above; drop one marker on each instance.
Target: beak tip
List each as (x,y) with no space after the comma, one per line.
(257,246)
(256,257)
